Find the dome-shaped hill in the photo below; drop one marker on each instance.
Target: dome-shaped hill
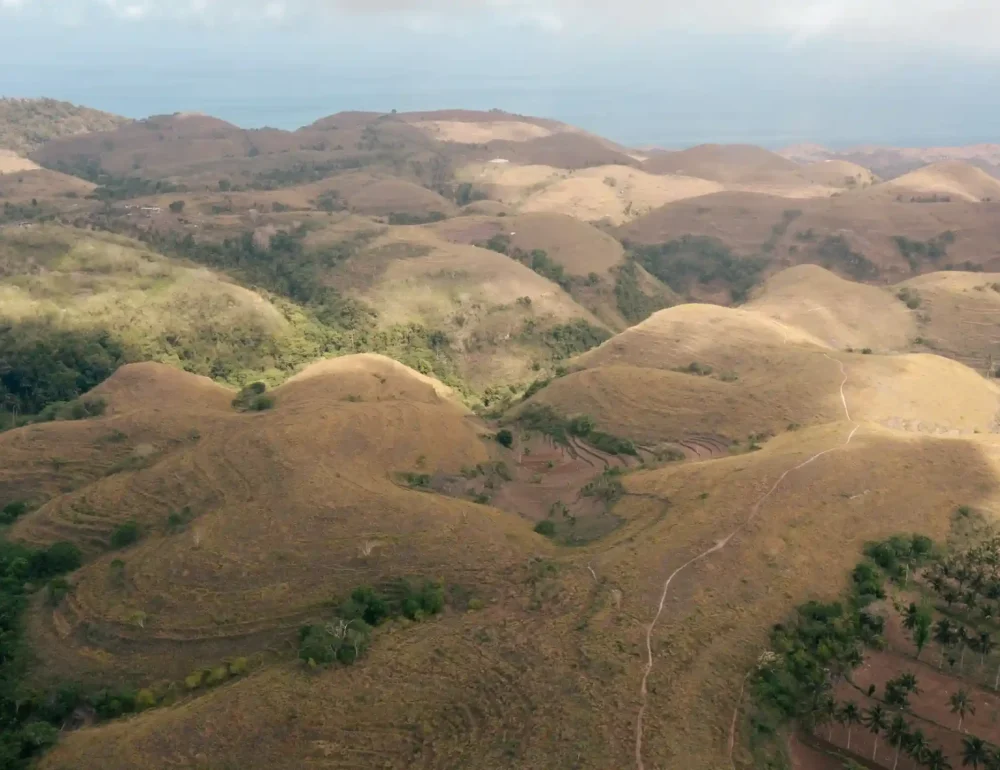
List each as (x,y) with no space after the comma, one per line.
(741,380)
(839,173)
(838,312)
(158,387)
(615,193)
(959,312)
(956,180)
(730,163)
(288,508)
(579,247)
(720,337)
(364,377)
(397,196)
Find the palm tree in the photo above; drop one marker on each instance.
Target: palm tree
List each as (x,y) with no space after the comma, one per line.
(936,760)
(962,640)
(993,760)
(917,746)
(974,752)
(908,682)
(985,646)
(910,618)
(961,704)
(875,720)
(825,713)
(944,634)
(898,733)
(849,716)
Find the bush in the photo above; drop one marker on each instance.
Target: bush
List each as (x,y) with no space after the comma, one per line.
(366,603)
(505,438)
(56,559)
(700,260)
(13,511)
(546,528)
(125,534)
(177,207)
(253,398)
(420,601)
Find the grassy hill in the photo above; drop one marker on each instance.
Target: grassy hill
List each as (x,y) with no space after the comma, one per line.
(27,124)
(356,446)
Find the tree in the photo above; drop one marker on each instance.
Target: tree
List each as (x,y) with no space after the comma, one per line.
(944,634)
(962,705)
(908,682)
(898,733)
(985,646)
(875,720)
(505,438)
(917,746)
(936,760)
(974,752)
(177,207)
(849,716)
(922,629)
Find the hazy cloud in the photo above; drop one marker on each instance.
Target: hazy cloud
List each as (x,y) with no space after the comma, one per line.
(960,25)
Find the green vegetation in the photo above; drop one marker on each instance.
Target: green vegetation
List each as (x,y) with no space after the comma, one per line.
(253,398)
(607,487)
(542,418)
(915,252)
(347,635)
(835,253)
(546,528)
(125,534)
(699,260)
(570,339)
(824,642)
(111,187)
(909,296)
(415,219)
(26,124)
(779,229)
(44,365)
(29,721)
(633,303)
(505,438)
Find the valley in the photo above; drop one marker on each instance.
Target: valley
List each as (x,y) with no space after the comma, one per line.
(471,439)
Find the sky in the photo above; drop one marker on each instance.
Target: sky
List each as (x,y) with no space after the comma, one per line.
(668,72)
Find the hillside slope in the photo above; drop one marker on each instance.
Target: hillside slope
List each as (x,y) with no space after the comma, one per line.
(27,124)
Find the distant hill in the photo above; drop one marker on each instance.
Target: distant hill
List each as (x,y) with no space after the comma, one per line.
(889,162)
(26,124)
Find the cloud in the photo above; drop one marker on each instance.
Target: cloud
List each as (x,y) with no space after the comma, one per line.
(958,25)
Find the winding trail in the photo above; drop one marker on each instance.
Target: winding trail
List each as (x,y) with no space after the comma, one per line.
(719,545)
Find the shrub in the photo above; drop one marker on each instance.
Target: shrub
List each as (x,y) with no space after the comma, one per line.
(177,207)
(505,438)
(866,351)
(216,676)
(145,699)
(56,559)
(253,398)
(366,603)
(420,601)
(12,511)
(239,666)
(125,534)
(194,681)
(546,528)
(56,590)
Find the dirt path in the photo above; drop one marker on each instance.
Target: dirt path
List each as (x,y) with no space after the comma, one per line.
(719,545)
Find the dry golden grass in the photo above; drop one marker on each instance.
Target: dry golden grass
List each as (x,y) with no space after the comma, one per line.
(481,133)
(579,247)
(292,507)
(44,185)
(838,312)
(955,179)
(486,690)
(728,163)
(12,163)
(768,373)
(413,276)
(839,173)
(957,316)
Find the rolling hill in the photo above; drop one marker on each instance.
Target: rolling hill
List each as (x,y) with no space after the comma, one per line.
(27,124)
(471,439)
